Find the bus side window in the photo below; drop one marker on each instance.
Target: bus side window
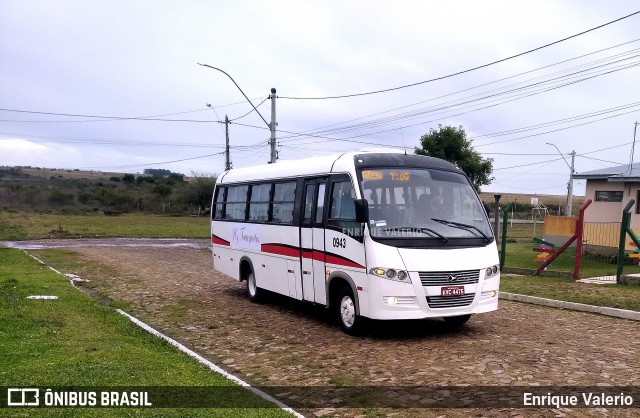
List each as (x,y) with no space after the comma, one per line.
(342,212)
(219,202)
(308,203)
(320,203)
(342,201)
(259,202)
(283,202)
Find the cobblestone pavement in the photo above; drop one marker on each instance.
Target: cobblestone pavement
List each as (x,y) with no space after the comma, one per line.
(287,343)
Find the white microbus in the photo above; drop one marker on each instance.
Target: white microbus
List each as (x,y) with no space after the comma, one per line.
(368,235)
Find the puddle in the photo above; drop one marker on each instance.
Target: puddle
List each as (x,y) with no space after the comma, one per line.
(44,244)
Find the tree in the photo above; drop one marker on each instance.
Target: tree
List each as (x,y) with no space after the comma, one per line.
(451,144)
(162,190)
(199,191)
(128,179)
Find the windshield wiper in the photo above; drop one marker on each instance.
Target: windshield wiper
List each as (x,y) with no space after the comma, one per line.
(461,226)
(415,229)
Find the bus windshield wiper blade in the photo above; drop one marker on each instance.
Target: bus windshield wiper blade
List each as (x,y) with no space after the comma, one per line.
(461,226)
(415,229)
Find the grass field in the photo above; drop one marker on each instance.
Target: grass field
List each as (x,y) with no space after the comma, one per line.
(521,255)
(74,341)
(610,295)
(25,225)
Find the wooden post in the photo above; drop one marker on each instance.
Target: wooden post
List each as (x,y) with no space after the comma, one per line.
(503,240)
(569,241)
(579,234)
(624,226)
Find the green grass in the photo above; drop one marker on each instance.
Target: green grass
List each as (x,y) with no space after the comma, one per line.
(74,341)
(521,255)
(26,225)
(609,295)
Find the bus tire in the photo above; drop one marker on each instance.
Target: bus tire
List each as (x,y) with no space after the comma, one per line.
(253,291)
(457,321)
(350,322)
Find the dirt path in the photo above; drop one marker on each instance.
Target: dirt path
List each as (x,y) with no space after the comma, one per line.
(287,343)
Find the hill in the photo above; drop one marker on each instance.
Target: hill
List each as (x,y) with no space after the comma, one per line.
(77,191)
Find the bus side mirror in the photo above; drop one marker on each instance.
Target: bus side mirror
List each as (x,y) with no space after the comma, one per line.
(362,210)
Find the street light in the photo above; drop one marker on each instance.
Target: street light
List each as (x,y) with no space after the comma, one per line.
(272,125)
(570,184)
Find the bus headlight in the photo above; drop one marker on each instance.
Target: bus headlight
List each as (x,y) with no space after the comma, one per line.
(492,271)
(391,274)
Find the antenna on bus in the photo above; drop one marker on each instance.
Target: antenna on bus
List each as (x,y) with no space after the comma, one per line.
(404,145)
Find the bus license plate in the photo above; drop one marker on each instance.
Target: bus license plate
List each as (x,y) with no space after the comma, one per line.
(452,291)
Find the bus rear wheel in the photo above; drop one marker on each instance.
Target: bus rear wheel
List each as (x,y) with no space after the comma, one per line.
(253,291)
(350,322)
(456,321)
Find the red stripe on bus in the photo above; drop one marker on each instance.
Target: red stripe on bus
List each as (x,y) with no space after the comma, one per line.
(333,259)
(280,250)
(217,240)
(317,255)
(313,254)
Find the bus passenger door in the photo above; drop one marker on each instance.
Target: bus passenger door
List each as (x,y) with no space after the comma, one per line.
(306,240)
(312,238)
(319,276)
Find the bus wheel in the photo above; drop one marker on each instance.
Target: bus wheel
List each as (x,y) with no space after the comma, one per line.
(456,321)
(254,292)
(346,310)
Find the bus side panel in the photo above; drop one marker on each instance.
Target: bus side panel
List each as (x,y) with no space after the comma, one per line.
(271,272)
(276,259)
(344,254)
(225,258)
(225,261)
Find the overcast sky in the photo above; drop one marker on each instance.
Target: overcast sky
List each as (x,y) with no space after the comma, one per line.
(136,59)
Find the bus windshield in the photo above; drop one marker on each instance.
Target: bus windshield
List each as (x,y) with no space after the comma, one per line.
(423,203)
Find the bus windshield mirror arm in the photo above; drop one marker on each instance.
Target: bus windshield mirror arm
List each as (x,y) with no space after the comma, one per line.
(461,226)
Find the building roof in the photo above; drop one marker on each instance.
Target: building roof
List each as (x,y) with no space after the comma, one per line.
(621,173)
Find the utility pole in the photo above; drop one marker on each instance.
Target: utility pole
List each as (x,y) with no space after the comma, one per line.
(570,186)
(272,126)
(227,158)
(497,217)
(635,128)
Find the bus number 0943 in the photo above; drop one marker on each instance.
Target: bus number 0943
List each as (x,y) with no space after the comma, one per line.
(340,243)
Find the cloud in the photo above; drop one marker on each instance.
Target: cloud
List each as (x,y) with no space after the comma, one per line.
(16,151)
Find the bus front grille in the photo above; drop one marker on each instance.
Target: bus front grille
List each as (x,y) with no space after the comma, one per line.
(450,301)
(449,278)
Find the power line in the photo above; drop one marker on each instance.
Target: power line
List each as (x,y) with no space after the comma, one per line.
(118,141)
(577,117)
(148,118)
(527,165)
(603,149)
(518,96)
(599,159)
(443,107)
(157,163)
(529,188)
(555,130)
(322,129)
(240,117)
(558,121)
(464,71)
